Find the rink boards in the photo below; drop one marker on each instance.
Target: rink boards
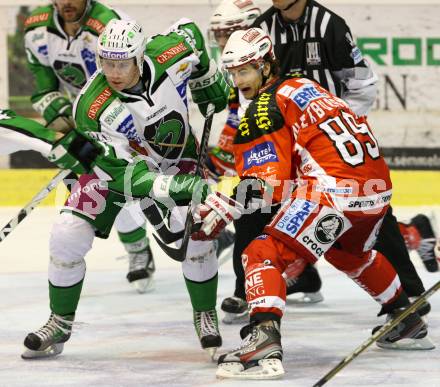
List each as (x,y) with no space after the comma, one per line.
(410,188)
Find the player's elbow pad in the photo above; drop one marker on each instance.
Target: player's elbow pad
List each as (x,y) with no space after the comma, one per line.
(210,88)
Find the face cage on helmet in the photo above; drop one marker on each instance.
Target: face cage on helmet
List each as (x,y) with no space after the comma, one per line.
(138,62)
(258,64)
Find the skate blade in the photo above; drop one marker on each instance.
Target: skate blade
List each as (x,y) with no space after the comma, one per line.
(212,353)
(408,344)
(236,318)
(307,298)
(50,351)
(143,285)
(266,369)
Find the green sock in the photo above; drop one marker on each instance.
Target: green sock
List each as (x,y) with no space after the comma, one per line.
(64,300)
(134,241)
(203,295)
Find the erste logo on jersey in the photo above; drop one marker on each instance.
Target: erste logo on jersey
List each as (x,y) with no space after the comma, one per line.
(171,53)
(98,102)
(260,154)
(295,216)
(304,95)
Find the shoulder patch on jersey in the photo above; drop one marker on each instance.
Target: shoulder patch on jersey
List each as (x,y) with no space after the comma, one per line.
(286,90)
(98,102)
(99,16)
(36,19)
(304,95)
(171,52)
(95,24)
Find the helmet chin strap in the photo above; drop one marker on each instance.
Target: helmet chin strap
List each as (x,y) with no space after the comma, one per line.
(261,69)
(290,5)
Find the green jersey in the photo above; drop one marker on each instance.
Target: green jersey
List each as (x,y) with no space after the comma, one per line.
(62,64)
(147,131)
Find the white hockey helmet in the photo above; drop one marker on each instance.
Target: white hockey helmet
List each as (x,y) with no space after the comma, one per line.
(122,39)
(249,46)
(232,15)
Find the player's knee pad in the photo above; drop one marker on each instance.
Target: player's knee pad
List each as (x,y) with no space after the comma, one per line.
(201,263)
(71,239)
(265,249)
(130,218)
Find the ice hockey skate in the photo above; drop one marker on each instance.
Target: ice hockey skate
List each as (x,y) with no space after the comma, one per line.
(236,310)
(206,324)
(49,340)
(259,356)
(141,270)
(410,334)
(306,286)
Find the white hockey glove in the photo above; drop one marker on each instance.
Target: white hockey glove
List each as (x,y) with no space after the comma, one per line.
(215,214)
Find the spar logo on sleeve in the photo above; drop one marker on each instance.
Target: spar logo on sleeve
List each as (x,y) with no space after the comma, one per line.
(304,95)
(260,154)
(295,216)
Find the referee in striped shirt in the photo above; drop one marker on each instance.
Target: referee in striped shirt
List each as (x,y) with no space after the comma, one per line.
(313,40)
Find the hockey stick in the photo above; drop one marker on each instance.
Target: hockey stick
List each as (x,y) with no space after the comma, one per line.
(179,254)
(27,209)
(387,327)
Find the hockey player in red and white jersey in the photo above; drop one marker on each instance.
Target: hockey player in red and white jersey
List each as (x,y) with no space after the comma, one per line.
(230,16)
(294,130)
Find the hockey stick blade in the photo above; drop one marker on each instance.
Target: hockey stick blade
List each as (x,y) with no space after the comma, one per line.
(379,333)
(170,251)
(179,254)
(27,209)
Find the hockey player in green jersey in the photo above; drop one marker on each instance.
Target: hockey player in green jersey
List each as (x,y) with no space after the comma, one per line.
(60,41)
(134,140)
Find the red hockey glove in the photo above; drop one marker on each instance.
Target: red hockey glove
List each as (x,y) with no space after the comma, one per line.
(215,214)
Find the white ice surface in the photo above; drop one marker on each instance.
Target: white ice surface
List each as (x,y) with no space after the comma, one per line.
(128,339)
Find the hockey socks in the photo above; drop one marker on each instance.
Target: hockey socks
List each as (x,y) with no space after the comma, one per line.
(203,295)
(64,300)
